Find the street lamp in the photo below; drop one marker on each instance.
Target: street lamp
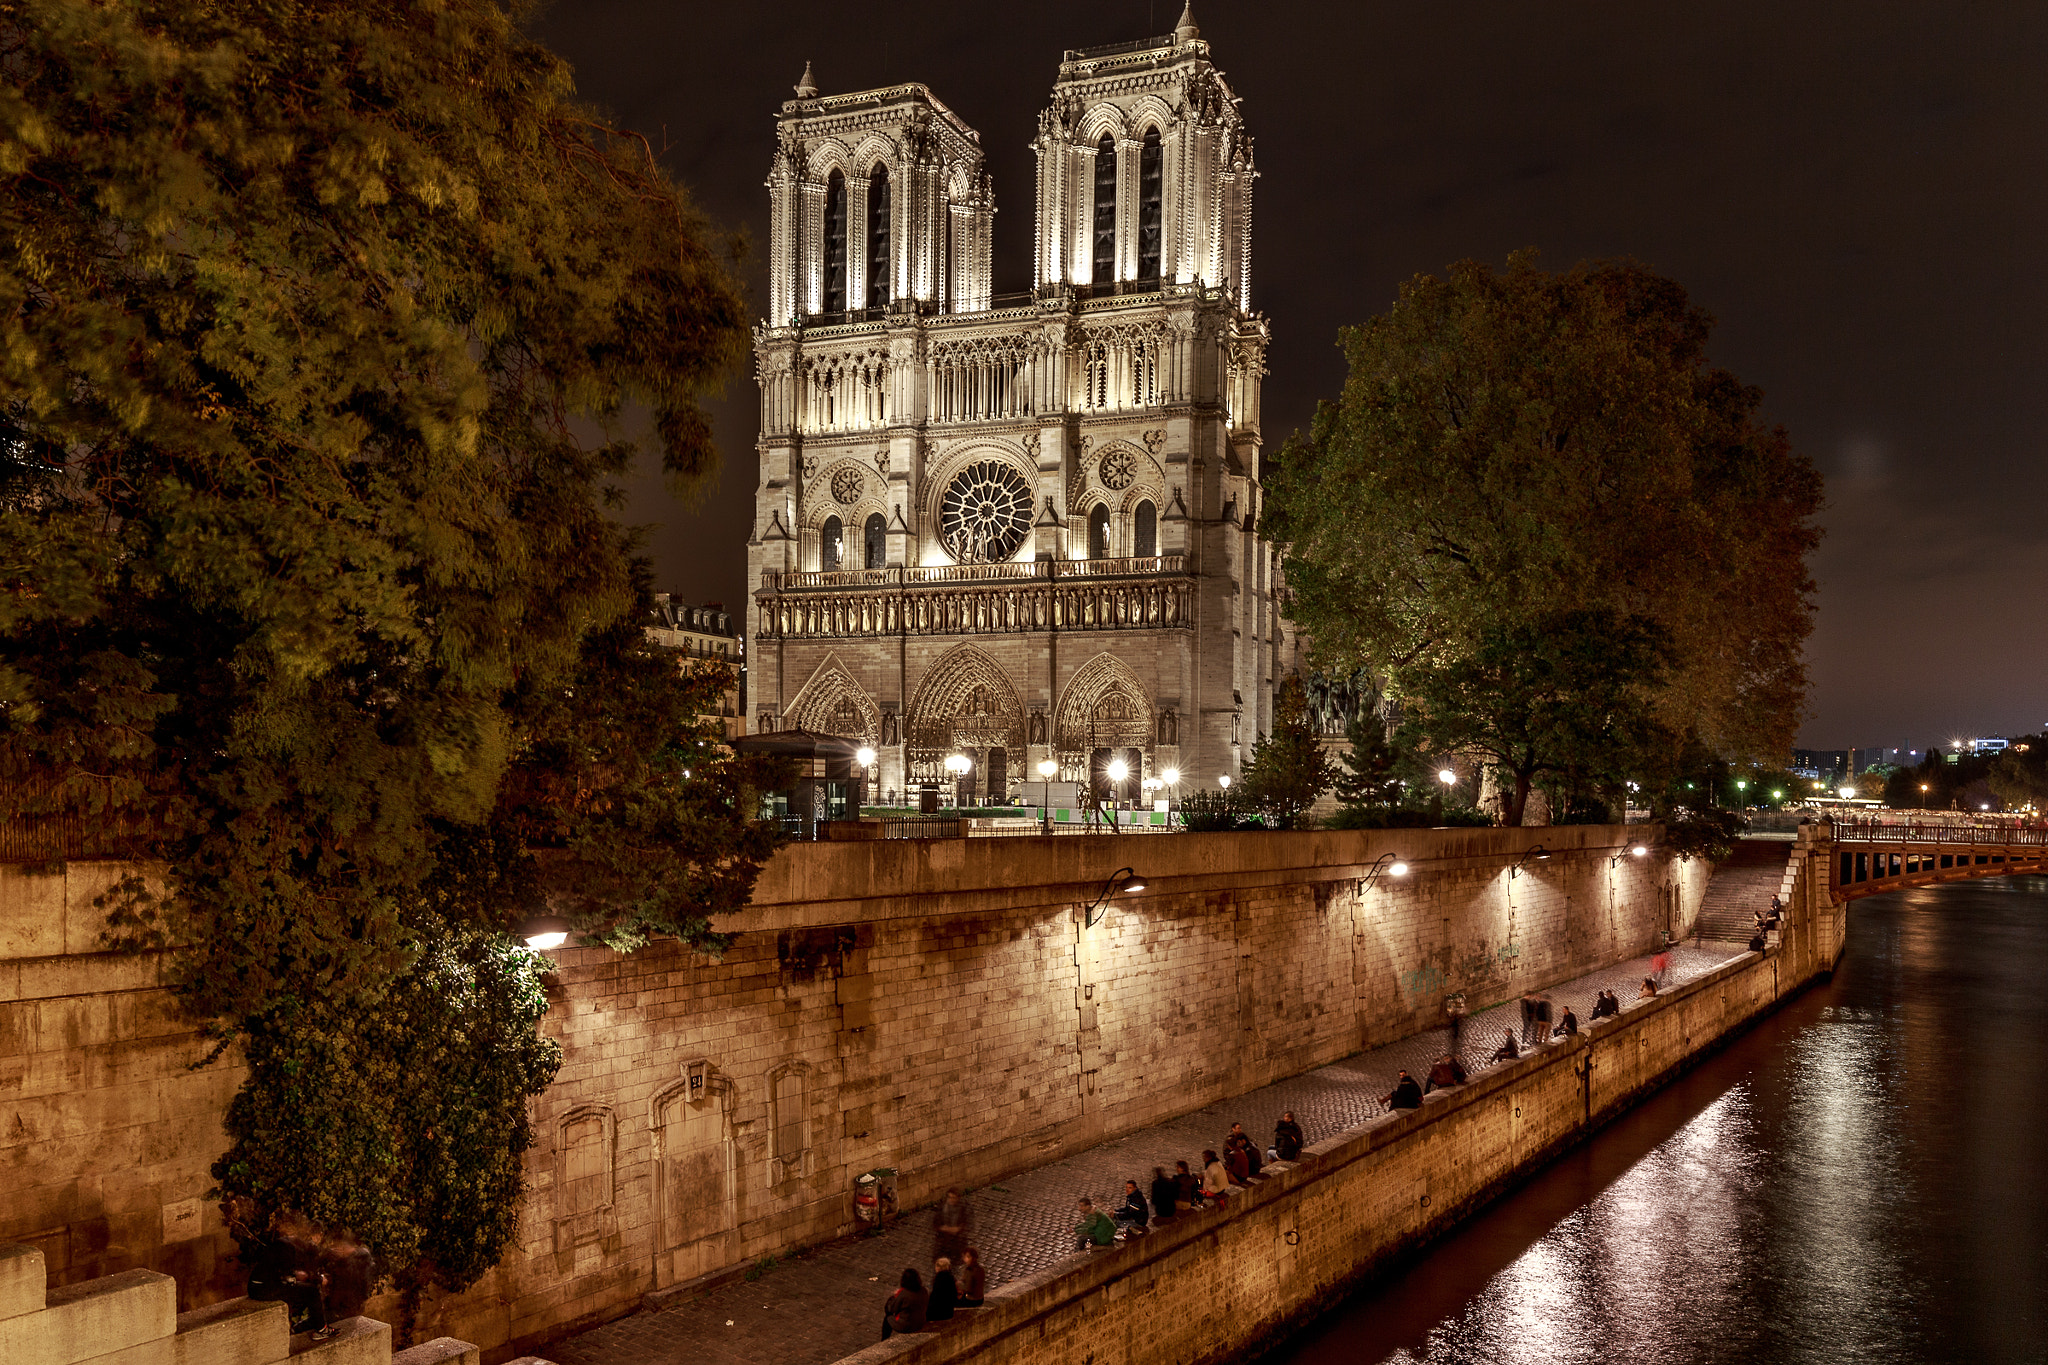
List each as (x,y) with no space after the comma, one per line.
(1449,778)
(865,757)
(959,765)
(543,932)
(1172,779)
(1847,793)
(1117,771)
(1047,771)
(1121,882)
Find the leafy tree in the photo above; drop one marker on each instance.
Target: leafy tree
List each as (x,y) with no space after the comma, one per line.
(1509,445)
(1567,695)
(2019,777)
(1288,770)
(301,557)
(1682,793)
(1373,774)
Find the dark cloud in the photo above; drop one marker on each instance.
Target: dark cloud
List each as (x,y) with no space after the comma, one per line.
(1854,190)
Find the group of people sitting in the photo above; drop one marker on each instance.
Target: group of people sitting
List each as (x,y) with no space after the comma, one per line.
(912,1307)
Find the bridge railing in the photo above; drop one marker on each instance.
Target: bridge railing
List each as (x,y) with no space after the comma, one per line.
(2000,833)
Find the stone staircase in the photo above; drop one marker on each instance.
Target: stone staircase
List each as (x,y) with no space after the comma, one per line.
(1743,885)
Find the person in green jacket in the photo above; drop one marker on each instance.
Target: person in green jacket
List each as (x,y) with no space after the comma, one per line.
(1094,1229)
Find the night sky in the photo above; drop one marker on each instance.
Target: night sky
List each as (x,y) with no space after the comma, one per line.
(1855,191)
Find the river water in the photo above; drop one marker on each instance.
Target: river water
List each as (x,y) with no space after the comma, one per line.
(1863,1177)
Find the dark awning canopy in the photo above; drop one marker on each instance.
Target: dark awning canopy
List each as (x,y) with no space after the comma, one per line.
(826,756)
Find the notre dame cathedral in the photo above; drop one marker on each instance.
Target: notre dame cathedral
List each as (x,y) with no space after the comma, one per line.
(1017,527)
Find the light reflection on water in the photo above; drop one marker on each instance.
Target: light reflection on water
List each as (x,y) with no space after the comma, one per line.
(1862,1178)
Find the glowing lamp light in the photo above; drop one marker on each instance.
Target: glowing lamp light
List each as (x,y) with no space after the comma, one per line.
(1447,777)
(1398,869)
(1640,851)
(544,932)
(1048,769)
(865,757)
(1171,776)
(1224,781)
(959,764)
(1847,792)
(1118,770)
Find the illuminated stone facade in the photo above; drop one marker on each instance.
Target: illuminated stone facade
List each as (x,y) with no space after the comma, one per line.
(1017,527)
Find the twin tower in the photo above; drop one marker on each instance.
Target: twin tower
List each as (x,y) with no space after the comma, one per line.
(1017,527)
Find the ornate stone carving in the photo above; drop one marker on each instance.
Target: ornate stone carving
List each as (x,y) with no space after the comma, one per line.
(1104,707)
(810,466)
(1117,469)
(847,484)
(882,461)
(965,702)
(986,513)
(1154,440)
(834,703)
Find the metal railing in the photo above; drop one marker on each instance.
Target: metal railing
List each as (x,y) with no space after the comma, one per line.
(1082,54)
(1873,829)
(1010,571)
(920,827)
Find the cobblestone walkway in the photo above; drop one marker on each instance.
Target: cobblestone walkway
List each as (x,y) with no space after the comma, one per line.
(827,1304)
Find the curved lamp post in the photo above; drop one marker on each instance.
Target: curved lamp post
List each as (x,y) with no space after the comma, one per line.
(1123,881)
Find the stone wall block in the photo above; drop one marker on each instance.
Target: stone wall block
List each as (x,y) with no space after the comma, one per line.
(233,1332)
(97,1318)
(21,1280)
(356,1341)
(440,1351)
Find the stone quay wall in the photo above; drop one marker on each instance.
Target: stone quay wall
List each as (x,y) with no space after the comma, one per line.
(1221,1285)
(938,1008)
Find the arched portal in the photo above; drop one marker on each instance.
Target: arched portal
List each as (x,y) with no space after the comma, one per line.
(964,705)
(833,702)
(1103,715)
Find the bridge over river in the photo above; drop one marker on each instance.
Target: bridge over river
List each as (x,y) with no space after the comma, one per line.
(1877,853)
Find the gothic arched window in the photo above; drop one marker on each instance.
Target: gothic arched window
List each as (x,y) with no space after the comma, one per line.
(1105,210)
(1098,532)
(1145,537)
(1150,182)
(875,533)
(835,243)
(828,544)
(878,238)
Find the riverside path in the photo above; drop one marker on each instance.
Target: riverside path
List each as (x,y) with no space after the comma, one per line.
(826,1304)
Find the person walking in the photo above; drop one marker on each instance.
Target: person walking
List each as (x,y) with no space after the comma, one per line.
(1406,1094)
(1287,1138)
(972,1280)
(945,1293)
(1165,1194)
(905,1310)
(1094,1228)
(1542,1019)
(1529,1035)
(952,1225)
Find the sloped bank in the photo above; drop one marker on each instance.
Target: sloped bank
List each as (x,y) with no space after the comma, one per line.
(1218,1286)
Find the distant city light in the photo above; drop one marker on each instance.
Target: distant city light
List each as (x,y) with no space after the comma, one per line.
(1847,793)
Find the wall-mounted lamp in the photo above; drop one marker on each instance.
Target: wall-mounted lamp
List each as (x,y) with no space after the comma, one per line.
(1121,882)
(1536,854)
(543,932)
(1632,851)
(1389,864)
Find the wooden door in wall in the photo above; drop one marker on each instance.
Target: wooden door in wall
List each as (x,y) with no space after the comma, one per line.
(695,1214)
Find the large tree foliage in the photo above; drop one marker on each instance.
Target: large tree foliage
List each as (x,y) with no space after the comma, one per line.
(1566,695)
(1514,444)
(1288,770)
(300,552)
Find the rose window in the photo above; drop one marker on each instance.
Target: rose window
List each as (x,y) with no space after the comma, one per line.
(846,485)
(1118,469)
(986,513)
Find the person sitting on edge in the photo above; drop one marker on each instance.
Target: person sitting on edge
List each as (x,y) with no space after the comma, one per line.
(1406,1094)
(1133,1213)
(1567,1025)
(905,1310)
(1190,1186)
(1094,1229)
(1649,990)
(945,1295)
(1240,1138)
(1287,1138)
(1215,1178)
(1447,1072)
(1237,1161)
(1165,1193)
(1508,1049)
(972,1280)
